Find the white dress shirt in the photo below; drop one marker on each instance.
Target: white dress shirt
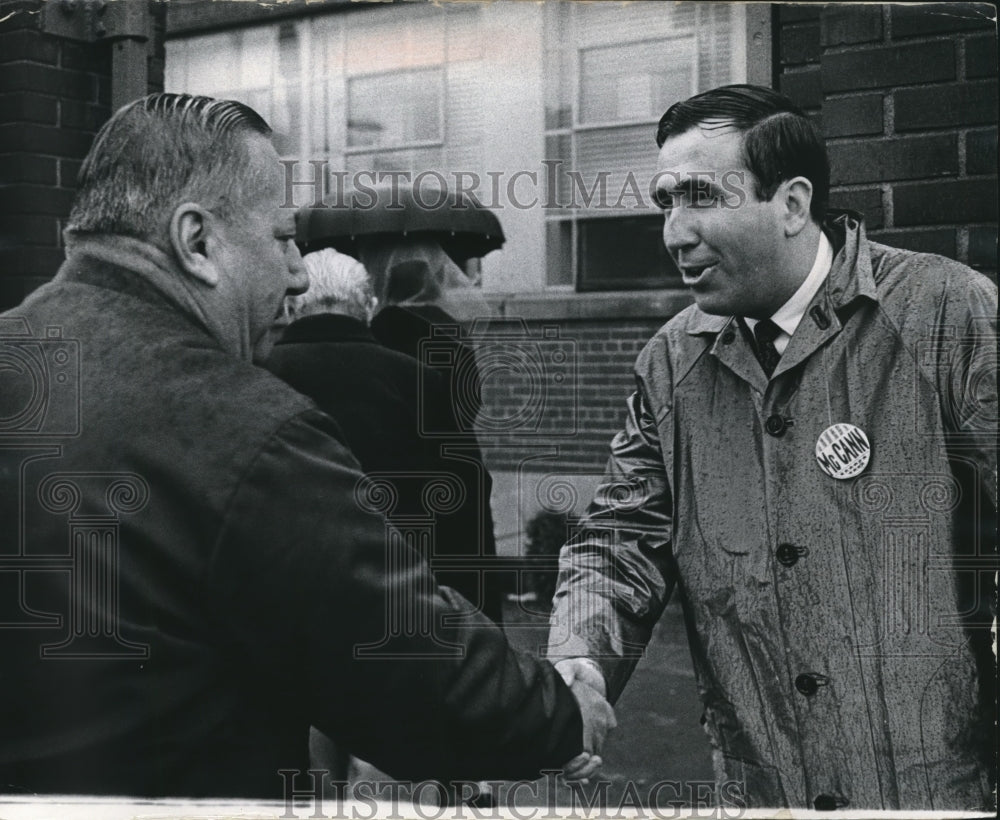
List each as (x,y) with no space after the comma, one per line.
(788,316)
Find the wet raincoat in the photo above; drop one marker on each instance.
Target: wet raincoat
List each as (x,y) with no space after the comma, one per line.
(834,623)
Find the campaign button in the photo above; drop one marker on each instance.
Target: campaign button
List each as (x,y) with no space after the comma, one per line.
(843,450)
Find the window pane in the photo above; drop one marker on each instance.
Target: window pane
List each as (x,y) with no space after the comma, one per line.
(558,251)
(416,161)
(394,109)
(638,81)
(627,253)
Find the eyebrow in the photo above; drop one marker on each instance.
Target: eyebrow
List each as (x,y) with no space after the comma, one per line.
(690,186)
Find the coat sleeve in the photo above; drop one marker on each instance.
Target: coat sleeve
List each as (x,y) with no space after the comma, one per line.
(966,372)
(616,573)
(324,600)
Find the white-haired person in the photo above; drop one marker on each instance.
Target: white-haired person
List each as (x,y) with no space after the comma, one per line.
(385,402)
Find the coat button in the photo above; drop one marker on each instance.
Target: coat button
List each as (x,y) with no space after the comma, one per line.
(729,336)
(808,683)
(777,425)
(828,802)
(788,554)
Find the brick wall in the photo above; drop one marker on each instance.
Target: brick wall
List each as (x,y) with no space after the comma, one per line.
(906,96)
(54,96)
(580,404)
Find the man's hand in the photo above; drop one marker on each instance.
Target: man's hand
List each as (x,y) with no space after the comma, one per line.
(586,682)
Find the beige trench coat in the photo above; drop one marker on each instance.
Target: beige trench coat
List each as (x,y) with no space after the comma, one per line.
(831,621)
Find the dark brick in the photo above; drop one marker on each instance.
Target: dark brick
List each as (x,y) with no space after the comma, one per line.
(799,44)
(880,67)
(941,241)
(981,57)
(847,25)
(867,201)
(25,76)
(883,160)
(853,116)
(20,14)
(27,108)
(941,106)
(944,203)
(103,91)
(983,248)
(29,45)
(156,67)
(30,261)
(93,57)
(69,170)
(797,13)
(803,87)
(981,152)
(76,114)
(21,168)
(939,18)
(33,230)
(36,200)
(45,139)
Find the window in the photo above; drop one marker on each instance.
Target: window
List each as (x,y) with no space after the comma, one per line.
(258,66)
(395,110)
(558,101)
(610,75)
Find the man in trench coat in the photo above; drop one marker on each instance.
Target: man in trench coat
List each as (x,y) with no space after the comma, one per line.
(191,573)
(809,460)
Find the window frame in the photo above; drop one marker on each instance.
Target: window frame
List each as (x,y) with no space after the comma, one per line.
(754,52)
(352,150)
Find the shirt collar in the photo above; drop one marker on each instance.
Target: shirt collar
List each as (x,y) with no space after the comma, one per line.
(788,316)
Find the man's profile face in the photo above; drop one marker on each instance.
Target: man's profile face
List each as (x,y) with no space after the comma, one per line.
(259,256)
(725,241)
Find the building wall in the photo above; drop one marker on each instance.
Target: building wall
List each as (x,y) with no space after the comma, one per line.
(54,96)
(567,407)
(907,98)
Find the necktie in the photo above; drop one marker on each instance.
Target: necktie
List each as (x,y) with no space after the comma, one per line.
(764,334)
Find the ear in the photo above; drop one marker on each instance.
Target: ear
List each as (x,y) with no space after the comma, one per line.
(796,194)
(190,225)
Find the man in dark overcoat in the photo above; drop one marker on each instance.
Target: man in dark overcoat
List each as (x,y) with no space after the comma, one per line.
(189,581)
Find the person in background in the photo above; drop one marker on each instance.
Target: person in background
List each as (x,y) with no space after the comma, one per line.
(221,585)
(386,403)
(427,303)
(809,458)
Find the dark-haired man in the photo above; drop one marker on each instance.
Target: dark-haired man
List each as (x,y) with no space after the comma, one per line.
(809,459)
(191,573)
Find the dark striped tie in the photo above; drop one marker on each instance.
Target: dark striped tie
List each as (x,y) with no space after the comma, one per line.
(764,334)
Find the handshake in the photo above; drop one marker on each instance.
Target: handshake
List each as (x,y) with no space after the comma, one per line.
(586,682)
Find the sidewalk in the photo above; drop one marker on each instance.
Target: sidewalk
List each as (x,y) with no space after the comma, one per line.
(659,737)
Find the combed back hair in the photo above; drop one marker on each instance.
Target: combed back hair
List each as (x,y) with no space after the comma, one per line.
(158,152)
(337,284)
(779,140)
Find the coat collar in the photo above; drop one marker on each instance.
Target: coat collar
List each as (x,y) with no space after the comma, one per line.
(850,278)
(327,327)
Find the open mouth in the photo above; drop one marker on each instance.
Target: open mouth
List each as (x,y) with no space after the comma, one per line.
(692,274)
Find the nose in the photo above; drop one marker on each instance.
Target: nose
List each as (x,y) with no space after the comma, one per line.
(298,275)
(679,230)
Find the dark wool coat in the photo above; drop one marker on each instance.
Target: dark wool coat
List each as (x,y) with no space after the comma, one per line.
(395,416)
(189,582)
